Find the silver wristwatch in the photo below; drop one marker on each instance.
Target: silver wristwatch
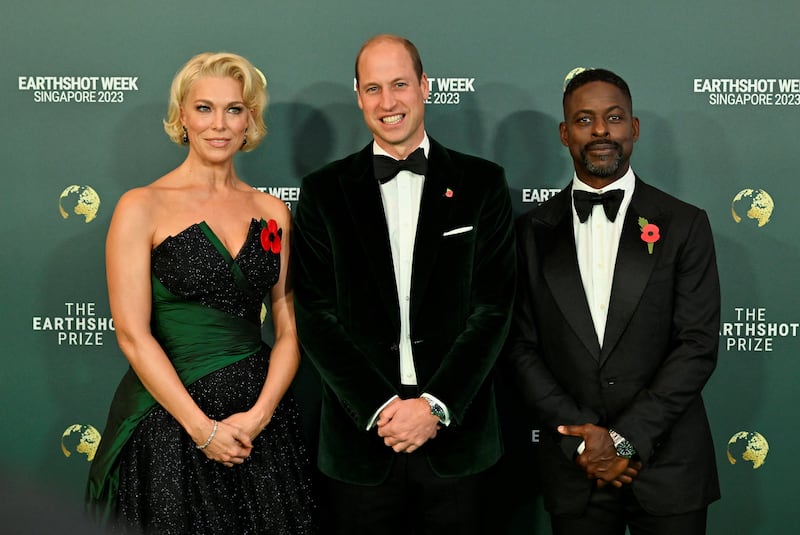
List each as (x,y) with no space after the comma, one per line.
(436,409)
(621,444)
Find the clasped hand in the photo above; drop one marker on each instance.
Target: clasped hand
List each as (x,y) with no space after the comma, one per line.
(599,458)
(407,424)
(232,444)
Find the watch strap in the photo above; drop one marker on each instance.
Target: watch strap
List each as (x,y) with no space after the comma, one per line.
(622,445)
(436,409)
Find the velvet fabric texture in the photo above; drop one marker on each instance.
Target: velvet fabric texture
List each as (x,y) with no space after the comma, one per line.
(348,317)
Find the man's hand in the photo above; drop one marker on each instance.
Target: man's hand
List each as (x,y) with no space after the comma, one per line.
(627,477)
(406,424)
(599,458)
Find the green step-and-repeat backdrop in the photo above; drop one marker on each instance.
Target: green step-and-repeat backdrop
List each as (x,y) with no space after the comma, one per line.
(83,90)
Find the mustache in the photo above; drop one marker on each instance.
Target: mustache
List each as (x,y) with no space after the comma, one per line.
(598,142)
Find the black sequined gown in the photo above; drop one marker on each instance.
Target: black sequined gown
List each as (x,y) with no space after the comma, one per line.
(165,484)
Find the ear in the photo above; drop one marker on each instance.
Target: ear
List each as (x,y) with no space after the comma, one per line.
(358,97)
(563,134)
(425,86)
(635,127)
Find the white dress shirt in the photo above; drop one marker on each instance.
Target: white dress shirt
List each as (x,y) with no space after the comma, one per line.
(401,198)
(597,242)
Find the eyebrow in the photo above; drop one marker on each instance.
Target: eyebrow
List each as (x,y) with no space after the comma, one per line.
(392,81)
(607,110)
(207,101)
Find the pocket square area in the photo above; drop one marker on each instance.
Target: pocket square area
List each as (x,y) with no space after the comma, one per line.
(459,230)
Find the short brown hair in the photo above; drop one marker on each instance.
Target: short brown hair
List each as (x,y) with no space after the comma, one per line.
(409,46)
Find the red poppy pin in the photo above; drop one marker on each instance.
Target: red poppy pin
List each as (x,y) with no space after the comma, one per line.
(650,233)
(271,236)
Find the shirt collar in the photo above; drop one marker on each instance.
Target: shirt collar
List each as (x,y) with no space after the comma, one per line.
(425,144)
(626,183)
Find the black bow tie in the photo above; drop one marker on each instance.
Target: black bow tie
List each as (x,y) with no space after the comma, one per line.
(386,168)
(585,201)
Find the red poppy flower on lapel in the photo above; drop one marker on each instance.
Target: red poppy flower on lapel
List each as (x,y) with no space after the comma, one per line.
(271,236)
(650,233)
(448,193)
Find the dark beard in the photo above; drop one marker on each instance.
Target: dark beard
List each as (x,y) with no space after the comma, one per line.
(610,167)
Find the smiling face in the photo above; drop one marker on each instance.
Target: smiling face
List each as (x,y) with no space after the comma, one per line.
(215,118)
(392,96)
(599,129)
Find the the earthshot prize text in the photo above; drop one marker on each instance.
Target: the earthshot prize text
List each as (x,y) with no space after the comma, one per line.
(752,332)
(80,327)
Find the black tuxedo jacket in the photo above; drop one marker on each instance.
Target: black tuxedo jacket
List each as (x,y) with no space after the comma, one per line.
(347,311)
(660,347)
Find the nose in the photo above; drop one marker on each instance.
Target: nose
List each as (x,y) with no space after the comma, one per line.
(599,128)
(387,100)
(219,120)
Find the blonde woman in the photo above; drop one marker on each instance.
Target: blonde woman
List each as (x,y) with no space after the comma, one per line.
(202,436)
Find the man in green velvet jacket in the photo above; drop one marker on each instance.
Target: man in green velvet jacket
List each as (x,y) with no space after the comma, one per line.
(403,283)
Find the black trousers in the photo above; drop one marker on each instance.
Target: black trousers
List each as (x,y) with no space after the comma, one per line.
(412,500)
(611,510)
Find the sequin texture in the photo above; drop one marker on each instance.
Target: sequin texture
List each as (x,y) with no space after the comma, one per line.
(168,486)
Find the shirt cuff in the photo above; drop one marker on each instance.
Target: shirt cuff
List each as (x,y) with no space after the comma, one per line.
(375,416)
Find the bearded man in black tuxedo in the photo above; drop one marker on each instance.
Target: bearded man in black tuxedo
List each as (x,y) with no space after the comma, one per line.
(615,333)
(404,273)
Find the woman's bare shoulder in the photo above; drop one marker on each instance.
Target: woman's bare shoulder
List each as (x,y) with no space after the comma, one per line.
(272,207)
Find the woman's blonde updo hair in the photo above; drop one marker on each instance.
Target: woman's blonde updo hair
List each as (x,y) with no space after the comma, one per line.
(226,65)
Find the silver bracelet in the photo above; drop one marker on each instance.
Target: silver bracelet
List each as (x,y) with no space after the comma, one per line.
(210,437)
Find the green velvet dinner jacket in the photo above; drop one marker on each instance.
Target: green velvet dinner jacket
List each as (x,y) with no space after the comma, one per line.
(348,319)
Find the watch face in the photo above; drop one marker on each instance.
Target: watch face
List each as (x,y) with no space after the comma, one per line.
(622,445)
(625,449)
(436,409)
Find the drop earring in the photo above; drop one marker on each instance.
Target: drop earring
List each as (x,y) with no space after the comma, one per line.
(244,141)
(185,135)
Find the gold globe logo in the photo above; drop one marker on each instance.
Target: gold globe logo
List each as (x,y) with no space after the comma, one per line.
(79,200)
(80,438)
(754,204)
(748,447)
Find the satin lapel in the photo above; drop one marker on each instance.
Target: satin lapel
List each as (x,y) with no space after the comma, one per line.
(435,211)
(364,204)
(633,266)
(560,270)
